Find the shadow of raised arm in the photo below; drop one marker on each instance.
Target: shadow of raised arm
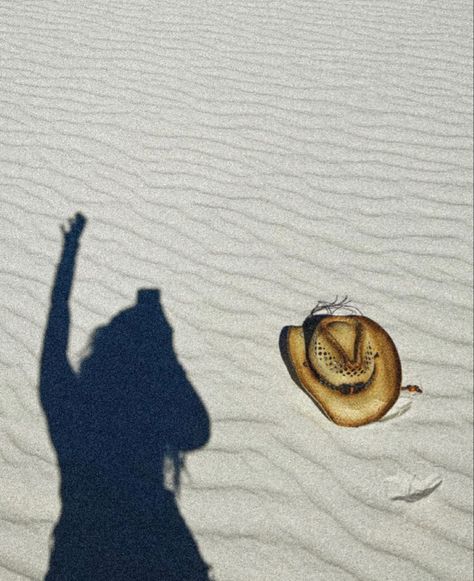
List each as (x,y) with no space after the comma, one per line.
(56,372)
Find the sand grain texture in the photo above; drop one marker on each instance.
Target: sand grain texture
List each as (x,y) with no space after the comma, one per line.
(250,159)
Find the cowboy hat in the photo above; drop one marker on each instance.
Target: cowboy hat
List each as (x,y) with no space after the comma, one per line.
(347,364)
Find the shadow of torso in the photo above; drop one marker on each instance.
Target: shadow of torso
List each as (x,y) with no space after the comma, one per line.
(116,425)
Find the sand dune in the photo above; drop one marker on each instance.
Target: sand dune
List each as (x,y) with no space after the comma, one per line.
(246,160)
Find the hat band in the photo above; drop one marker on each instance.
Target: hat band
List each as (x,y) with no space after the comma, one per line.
(346,388)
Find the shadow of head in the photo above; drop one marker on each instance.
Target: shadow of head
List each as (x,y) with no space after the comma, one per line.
(135,399)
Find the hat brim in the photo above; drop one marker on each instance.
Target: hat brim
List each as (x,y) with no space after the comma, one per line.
(350,410)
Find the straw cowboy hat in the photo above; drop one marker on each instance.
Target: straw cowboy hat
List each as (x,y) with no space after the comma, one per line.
(347,364)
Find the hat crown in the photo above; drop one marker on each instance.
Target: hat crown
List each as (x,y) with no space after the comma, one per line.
(340,351)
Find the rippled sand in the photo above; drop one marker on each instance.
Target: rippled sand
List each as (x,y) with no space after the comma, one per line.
(250,159)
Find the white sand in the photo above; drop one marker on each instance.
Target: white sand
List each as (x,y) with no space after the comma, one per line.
(250,159)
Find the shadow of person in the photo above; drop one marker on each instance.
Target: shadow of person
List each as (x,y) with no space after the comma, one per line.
(120,427)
